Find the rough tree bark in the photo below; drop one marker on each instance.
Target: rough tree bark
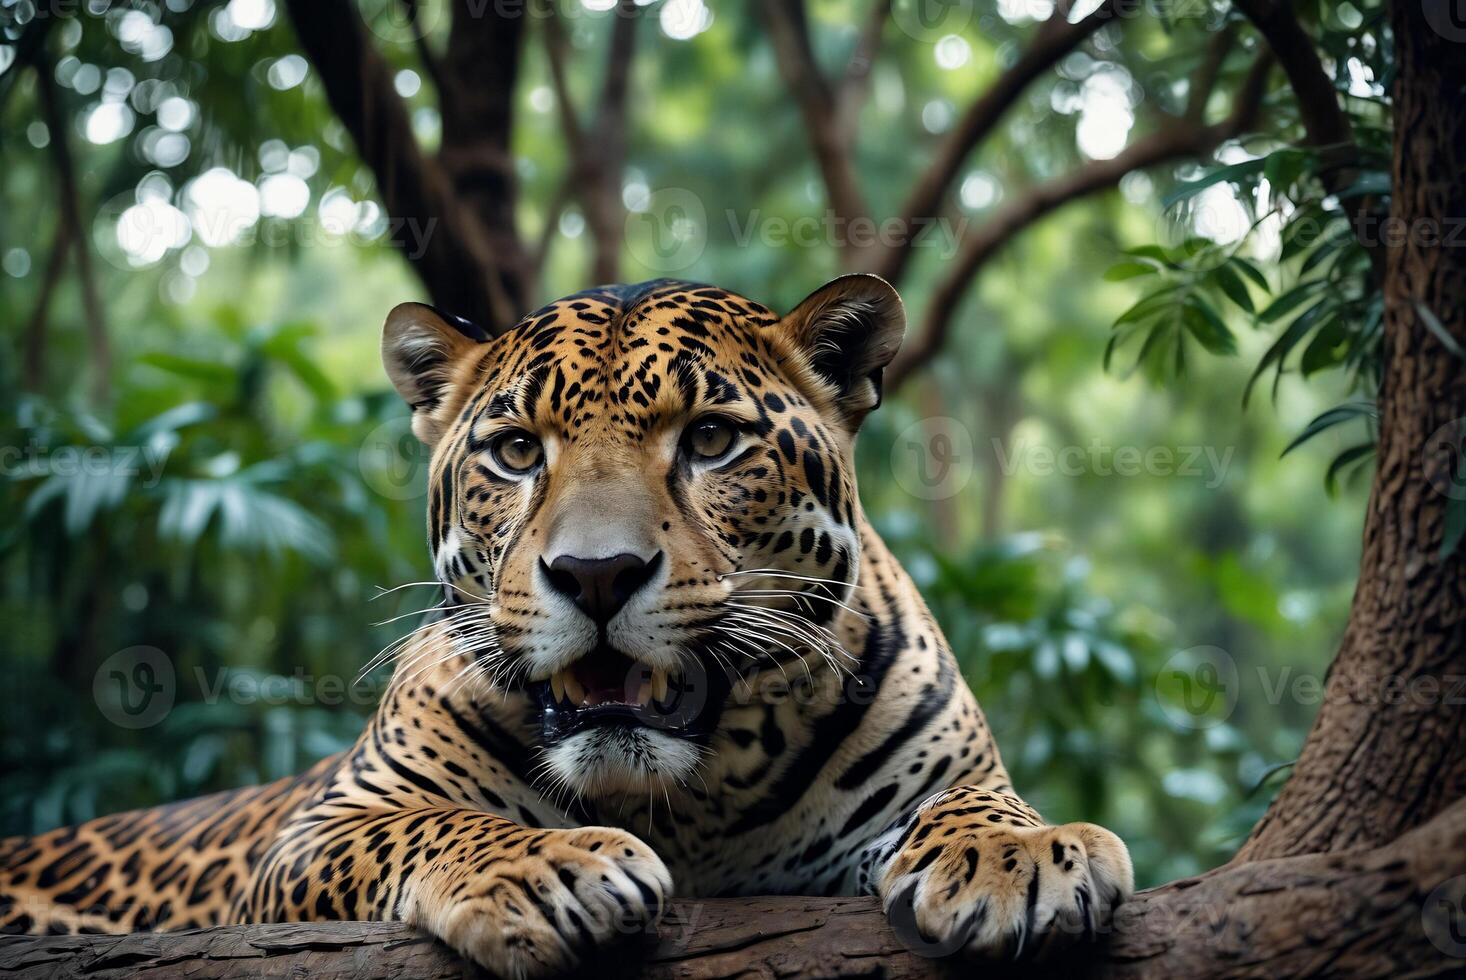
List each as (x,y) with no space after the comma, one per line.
(1388,749)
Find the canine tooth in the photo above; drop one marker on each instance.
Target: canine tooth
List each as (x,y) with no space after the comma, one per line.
(573,690)
(643,693)
(557,685)
(659,684)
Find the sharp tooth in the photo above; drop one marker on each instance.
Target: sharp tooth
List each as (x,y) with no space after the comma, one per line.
(659,684)
(573,690)
(643,693)
(557,685)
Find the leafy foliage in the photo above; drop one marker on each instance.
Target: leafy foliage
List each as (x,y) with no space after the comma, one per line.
(1327,312)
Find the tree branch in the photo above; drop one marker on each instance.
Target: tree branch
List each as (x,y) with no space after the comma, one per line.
(1204,83)
(1056,38)
(1176,139)
(445,245)
(69,193)
(36,329)
(1318,103)
(1360,914)
(556,207)
(856,84)
(604,211)
(420,39)
(556,46)
(598,150)
(1325,122)
(788,28)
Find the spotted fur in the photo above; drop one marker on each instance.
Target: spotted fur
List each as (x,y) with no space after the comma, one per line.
(837,749)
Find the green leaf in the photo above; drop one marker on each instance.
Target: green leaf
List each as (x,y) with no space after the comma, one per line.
(1323,350)
(1203,323)
(188,367)
(1154,252)
(305,368)
(1232,286)
(1110,350)
(175,418)
(1148,306)
(1283,167)
(1290,301)
(1129,270)
(1290,338)
(1325,250)
(1251,272)
(1375,183)
(1305,229)
(1326,420)
(1156,335)
(1233,172)
(1434,325)
(1344,461)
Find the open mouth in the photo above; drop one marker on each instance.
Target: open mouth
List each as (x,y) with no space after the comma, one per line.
(606,687)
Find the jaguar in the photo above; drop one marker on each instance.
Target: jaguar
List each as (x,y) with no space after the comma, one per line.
(669,651)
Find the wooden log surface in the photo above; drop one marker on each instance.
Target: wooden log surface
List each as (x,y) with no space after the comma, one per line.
(1393,911)
(757,937)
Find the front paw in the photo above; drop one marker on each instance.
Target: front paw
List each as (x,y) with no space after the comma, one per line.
(960,883)
(554,897)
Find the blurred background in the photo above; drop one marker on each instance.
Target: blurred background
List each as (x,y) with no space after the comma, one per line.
(207,475)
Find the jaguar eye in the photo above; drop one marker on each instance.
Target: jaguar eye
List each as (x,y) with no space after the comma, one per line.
(709,438)
(517,452)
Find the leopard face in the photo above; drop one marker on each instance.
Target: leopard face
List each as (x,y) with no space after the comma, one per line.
(641,496)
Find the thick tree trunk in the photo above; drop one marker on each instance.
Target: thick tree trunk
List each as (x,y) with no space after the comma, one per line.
(1388,749)
(477,101)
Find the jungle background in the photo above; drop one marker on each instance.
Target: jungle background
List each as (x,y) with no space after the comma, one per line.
(204,461)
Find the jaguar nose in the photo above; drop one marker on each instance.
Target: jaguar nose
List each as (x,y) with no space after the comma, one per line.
(600,586)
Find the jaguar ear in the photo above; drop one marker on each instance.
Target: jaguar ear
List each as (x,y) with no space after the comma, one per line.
(847,331)
(421,350)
